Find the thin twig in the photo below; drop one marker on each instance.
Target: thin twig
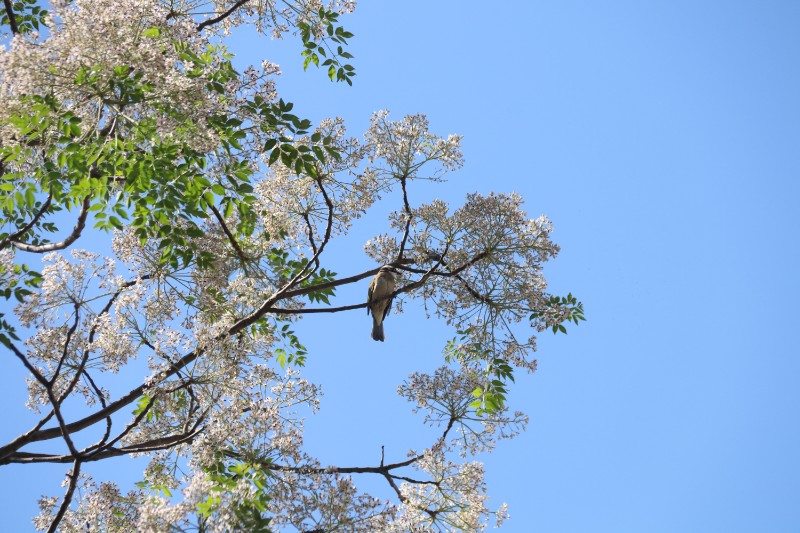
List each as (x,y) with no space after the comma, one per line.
(64,352)
(238,249)
(407,209)
(21,356)
(73,482)
(221,17)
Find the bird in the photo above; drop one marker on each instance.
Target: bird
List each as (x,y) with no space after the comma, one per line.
(381,286)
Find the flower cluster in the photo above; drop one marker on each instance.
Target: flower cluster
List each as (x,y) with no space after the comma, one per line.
(103,507)
(406,145)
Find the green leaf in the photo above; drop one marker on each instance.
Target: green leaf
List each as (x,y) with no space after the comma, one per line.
(152,32)
(276,153)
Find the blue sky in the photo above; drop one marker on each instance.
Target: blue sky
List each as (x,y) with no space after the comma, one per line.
(661,138)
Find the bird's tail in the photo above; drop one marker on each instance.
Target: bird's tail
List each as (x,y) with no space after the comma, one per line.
(377,329)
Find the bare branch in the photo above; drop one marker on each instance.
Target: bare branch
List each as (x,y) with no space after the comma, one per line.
(73,482)
(97,416)
(21,356)
(107,452)
(24,438)
(407,210)
(313,244)
(62,425)
(221,17)
(281,311)
(341,281)
(103,404)
(405,288)
(384,469)
(76,232)
(63,357)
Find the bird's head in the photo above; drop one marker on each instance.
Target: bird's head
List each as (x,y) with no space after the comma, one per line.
(390,269)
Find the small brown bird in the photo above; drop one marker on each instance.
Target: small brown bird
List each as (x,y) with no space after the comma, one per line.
(381,286)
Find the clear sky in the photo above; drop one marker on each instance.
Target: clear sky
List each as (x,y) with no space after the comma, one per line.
(663,141)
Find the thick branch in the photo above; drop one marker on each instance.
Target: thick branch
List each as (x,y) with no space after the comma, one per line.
(23,439)
(108,452)
(76,232)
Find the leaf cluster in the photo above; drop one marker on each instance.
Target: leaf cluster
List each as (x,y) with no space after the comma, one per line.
(490,396)
(568,305)
(315,49)
(302,157)
(226,474)
(27,14)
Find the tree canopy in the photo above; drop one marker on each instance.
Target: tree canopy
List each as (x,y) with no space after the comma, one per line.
(127,118)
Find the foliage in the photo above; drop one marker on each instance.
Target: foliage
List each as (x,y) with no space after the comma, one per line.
(220,201)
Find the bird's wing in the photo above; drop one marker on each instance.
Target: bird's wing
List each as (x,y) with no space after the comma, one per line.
(388,307)
(369,298)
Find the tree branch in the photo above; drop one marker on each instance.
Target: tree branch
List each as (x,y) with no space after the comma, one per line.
(344,281)
(221,17)
(313,244)
(21,356)
(63,357)
(239,252)
(281,311)
(298,278)
(407,209)
(88,421)
(12,19)
(76,232)
(17,234)
(73,482)
(103,404)
(384,469)
(107,452)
